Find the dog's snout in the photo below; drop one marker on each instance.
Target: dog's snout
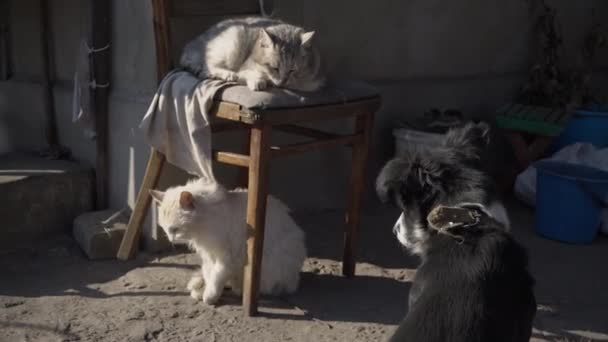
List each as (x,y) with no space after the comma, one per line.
(396,228)
(397,225)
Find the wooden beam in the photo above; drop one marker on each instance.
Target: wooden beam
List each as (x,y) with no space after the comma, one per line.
(305,131)
(286,150)
(256,215)
(161,30)
(281,116)
(48,75)
(226,126)
(231,158)
(316,113)
(154,168)
(100,42)
(130,240)
(364,126)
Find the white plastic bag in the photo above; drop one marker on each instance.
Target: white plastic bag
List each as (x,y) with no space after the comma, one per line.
(578,153)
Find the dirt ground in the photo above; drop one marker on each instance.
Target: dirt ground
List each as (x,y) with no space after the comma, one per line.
(50,292)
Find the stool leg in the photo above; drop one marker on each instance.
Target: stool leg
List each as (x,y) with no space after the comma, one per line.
(259,154)
(364,125)
(129,243)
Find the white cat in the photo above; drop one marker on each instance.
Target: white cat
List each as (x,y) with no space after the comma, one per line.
(258,52)
(213,221)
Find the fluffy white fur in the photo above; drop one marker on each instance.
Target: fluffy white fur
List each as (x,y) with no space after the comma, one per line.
(213,221)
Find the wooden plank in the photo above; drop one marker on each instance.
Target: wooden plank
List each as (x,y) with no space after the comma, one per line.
(161,36)
(256,215)
(281,116)
(278,151)
(101,40)
(228,126)
(315,113)
(364,126)
(305,131)
(214,7)
(229,111)
(130,241)
(231,158)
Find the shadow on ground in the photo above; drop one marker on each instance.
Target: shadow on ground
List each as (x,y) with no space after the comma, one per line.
(148,292)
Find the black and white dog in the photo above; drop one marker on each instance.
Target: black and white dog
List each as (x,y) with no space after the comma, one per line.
(473,283)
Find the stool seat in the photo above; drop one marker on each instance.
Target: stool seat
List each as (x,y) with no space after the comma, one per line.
(281,106)
(335,92)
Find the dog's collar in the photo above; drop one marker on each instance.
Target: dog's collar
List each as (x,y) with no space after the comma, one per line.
(444,219)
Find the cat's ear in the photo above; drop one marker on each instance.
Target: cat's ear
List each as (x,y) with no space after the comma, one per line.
(266,39)
(186,200)
(157,195)
(306,38)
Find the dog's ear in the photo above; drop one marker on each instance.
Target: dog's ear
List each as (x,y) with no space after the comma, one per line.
(468,140)
(186,200)
(431,177)
(390,180)
(157,196)
(419,179)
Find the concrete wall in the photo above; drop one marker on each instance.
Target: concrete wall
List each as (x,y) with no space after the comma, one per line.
(421,54)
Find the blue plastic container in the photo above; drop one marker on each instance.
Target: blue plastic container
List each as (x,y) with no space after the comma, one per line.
(585,126)
(569,199)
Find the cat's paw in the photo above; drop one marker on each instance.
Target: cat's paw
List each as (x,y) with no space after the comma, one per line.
(231,77)
(196,295)
(195,283)
(211,295)
(256,84)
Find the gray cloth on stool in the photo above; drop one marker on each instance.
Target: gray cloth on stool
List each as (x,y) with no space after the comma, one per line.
(177,122)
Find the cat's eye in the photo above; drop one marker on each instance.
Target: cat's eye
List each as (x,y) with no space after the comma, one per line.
(274,69)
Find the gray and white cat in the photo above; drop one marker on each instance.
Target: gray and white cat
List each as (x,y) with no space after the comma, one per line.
(258,52)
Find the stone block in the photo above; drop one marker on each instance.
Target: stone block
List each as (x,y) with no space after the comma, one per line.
(99,233)
(41,197)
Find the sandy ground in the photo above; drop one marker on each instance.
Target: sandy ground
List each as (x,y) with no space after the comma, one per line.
(50,292)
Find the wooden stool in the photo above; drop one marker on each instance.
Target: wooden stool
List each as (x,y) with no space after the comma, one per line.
(261,116)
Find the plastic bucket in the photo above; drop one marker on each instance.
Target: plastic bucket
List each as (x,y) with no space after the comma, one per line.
(569,199)
(584,126)
(407,139)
